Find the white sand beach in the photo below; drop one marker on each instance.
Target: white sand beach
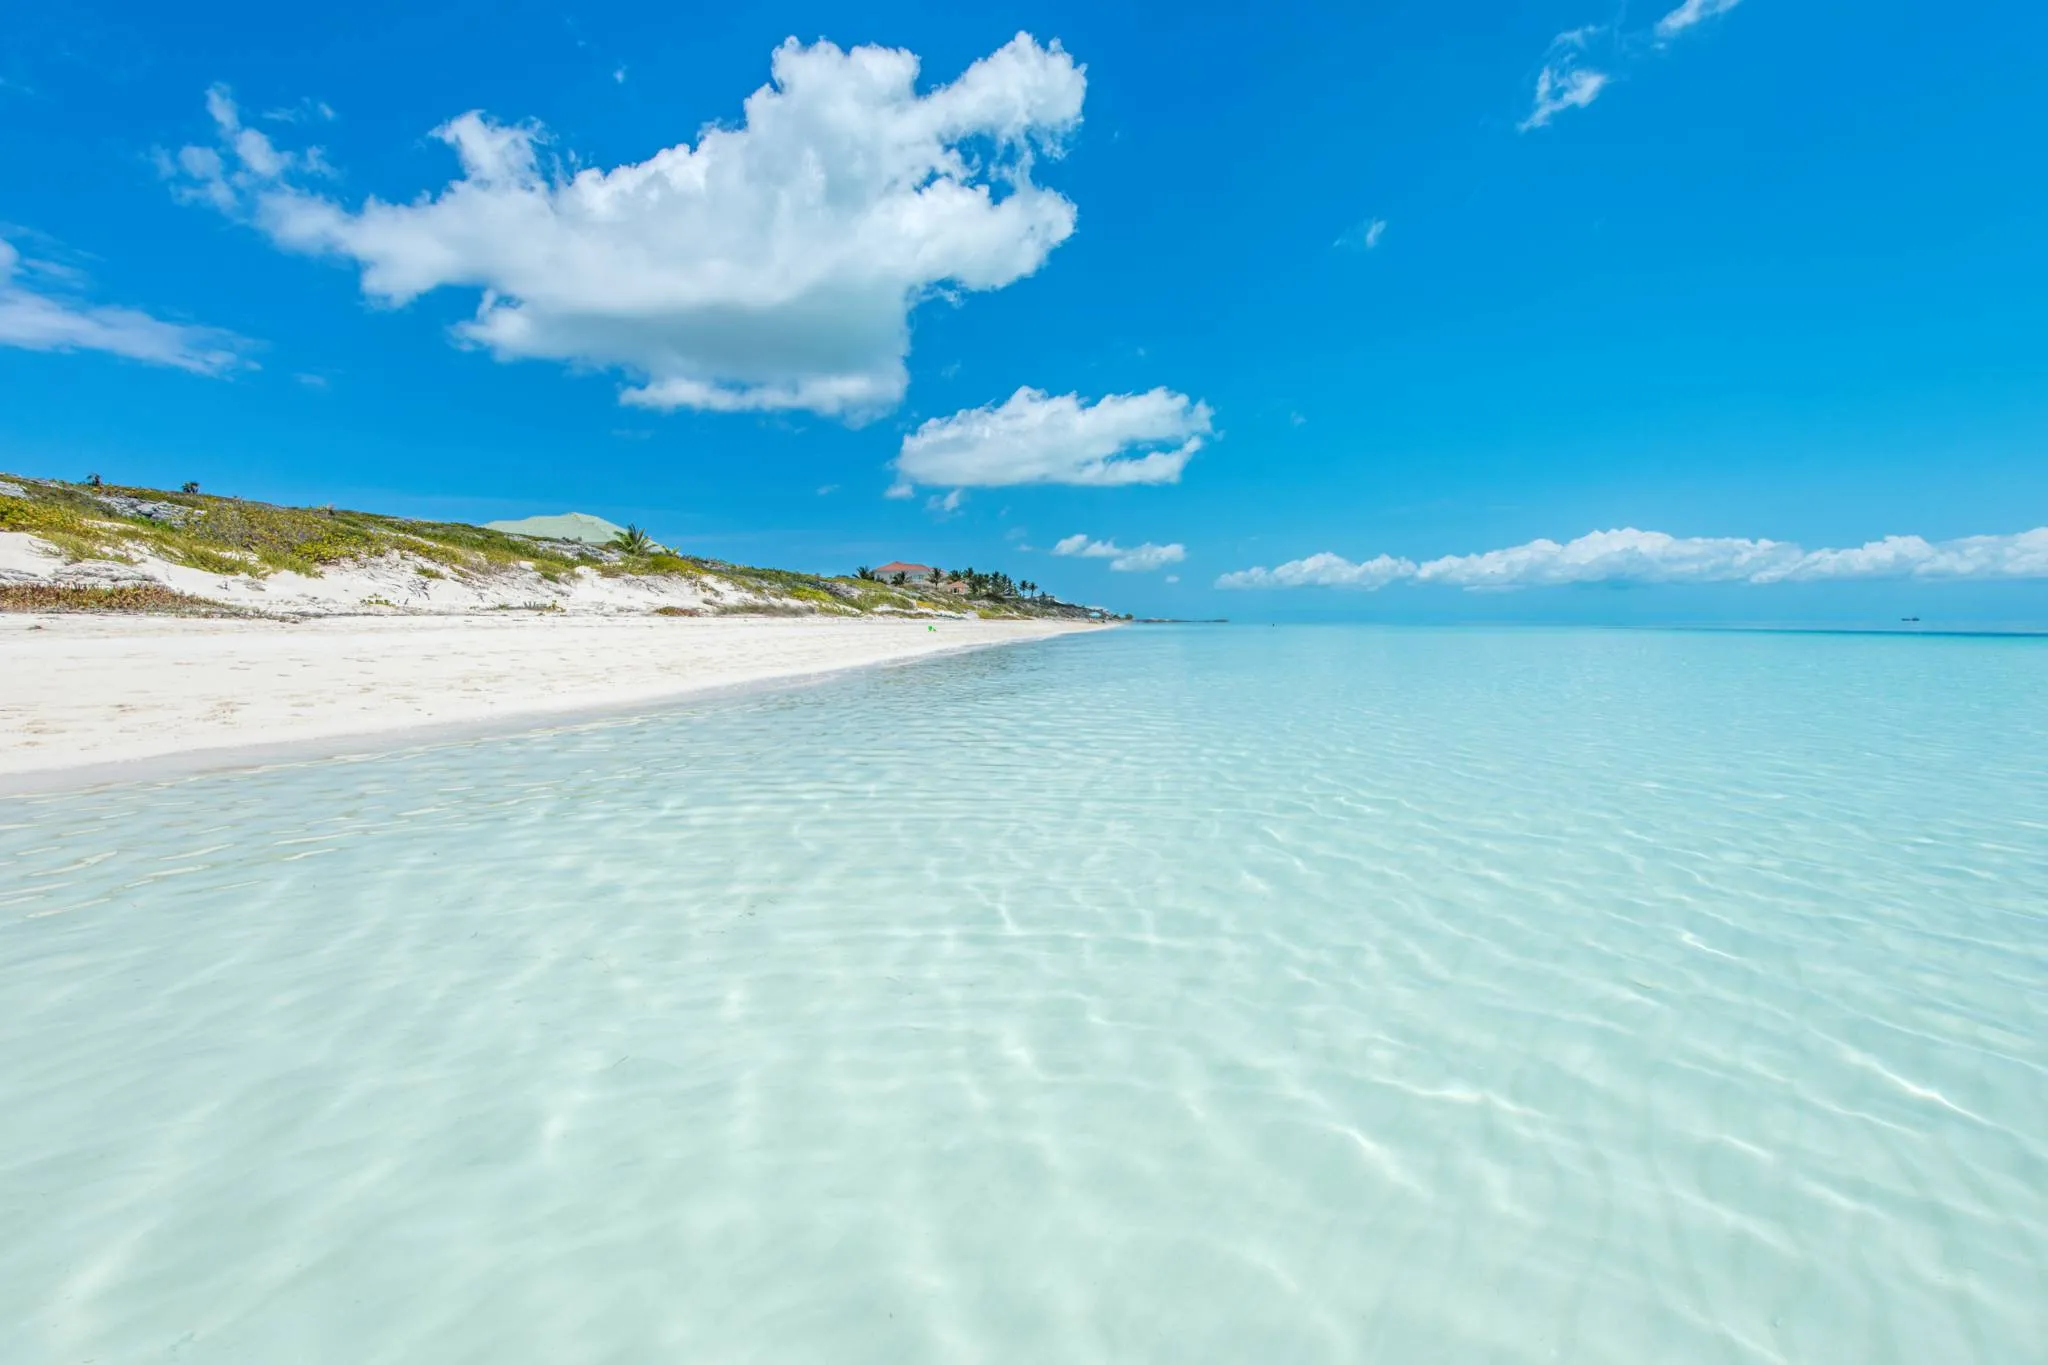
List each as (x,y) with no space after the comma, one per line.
(107,696)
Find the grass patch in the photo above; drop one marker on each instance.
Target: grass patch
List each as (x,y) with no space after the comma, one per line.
(869,599)
(131,597)
(662,562)
(762,609)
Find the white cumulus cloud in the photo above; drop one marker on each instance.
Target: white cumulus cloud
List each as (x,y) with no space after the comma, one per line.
(1973,557)
(1141,559)
(1034,437)
(772,265)
(1610,556)
(1148,557)
(1690,13)
(1323,570)
(38,312)
(1086,548)
(1632,556)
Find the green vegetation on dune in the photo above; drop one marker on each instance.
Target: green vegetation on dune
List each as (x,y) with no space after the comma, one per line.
(650,563)
(234,536)
(147,597)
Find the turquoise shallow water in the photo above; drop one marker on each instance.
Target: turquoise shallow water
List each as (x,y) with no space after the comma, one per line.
(1314,994)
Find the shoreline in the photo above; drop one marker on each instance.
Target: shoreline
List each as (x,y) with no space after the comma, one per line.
(90,701)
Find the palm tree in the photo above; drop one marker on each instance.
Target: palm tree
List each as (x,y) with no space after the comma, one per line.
(189,486)
(92,481)
(864,572)
(633,541)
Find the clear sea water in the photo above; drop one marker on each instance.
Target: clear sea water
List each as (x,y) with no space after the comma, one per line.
(1227,994)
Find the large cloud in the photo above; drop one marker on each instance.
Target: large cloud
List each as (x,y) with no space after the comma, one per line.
(1631,556)
(1608,556)
(772,265)
(1033,437)
(38,314)
(1140,559)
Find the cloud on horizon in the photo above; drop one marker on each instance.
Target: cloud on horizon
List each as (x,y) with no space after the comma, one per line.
(772,266)
(1038,438)
(39,311)
(1632,556)
(1144,558)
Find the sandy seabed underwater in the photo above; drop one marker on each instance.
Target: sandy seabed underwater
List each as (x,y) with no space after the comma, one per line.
(1177,994)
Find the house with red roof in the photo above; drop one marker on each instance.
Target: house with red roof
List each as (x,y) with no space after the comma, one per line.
(912,573)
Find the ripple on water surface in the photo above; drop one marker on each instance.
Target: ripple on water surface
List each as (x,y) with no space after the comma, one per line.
(1304,995)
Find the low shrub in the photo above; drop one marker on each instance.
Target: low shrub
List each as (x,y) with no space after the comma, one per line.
(138,597)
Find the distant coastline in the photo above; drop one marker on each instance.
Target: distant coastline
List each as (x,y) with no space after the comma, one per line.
(94,546)
(141,628)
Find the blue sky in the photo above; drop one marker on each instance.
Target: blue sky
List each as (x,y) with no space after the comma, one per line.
(1197,294)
